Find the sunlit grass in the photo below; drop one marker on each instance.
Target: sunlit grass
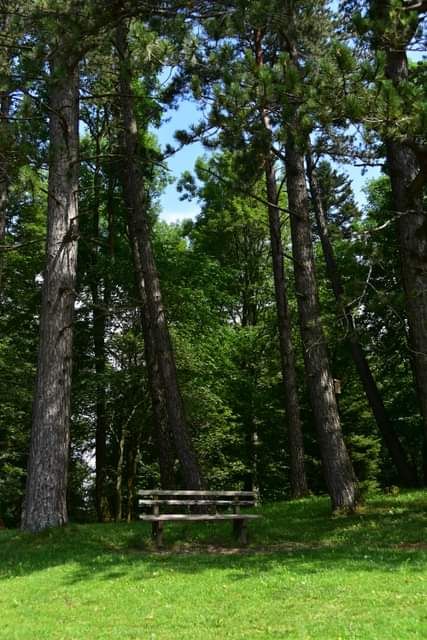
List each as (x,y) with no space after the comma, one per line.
(305,575)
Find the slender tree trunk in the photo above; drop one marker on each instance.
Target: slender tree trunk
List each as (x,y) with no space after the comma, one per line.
(407,192)
(4,180)
(101,413)
(299,486)
(161,433)
(296,444)
(45,499)
(4,150)
(132,468)
(162,436)
(137,205)
(98,333)
(407,473)
(339,474)
(120,473)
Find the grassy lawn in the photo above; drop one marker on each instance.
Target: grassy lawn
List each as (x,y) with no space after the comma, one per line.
(305,575)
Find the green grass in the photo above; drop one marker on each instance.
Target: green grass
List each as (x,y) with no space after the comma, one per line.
(305,575)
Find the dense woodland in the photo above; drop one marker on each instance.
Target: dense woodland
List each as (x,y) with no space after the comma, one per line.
(277,342)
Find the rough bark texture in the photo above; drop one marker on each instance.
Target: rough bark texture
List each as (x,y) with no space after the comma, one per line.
(296,444)
(407,473)
(298,478)
(137,205)
(162,437)
(339,474)
(45,499)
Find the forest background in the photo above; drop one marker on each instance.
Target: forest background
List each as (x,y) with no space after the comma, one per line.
(285,348)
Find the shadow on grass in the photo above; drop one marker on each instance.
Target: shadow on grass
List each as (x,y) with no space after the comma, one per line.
(300,537)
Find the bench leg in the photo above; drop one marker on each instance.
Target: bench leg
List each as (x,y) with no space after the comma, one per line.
(240,531)
(157,533)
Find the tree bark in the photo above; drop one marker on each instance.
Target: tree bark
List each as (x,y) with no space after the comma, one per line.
(4,179)
(299,486)
(339,474)
(4,150)
(45,499)
(298,478)
(407,473)
(162,436)
(131,480)
(140,228)
(120,473)
(98,333)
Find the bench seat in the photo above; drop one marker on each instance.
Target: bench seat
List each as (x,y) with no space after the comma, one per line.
(199,507)
(164,517)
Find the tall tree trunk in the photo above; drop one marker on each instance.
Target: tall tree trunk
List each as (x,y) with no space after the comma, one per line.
(162,436)
(98,333)
(407,192)
(296,444)
(407,473)
(339,474)
(406,165)
(4,179)
(4,149)
(299,486)
(45,499)
(161,433)
(137,205)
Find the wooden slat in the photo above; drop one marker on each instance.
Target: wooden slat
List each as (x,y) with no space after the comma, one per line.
(184,517)
(179,492)
(230,503)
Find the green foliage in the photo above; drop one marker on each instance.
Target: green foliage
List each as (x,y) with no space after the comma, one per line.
(20,299)
(320,75)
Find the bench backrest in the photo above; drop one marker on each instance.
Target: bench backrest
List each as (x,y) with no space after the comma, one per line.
(174,500)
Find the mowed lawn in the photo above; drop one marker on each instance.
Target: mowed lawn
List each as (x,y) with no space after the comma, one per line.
(305,574)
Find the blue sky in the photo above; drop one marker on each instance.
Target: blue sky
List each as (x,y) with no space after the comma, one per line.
(186,114)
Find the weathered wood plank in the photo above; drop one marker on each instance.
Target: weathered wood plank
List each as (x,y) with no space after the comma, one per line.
(179,492)
(164,517)
(201,502)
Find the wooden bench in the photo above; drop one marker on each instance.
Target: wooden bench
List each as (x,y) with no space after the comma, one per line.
(197,506)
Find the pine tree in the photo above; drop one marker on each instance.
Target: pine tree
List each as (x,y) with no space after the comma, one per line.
(45,499)
(149,284)
(394,24)
(406,472)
